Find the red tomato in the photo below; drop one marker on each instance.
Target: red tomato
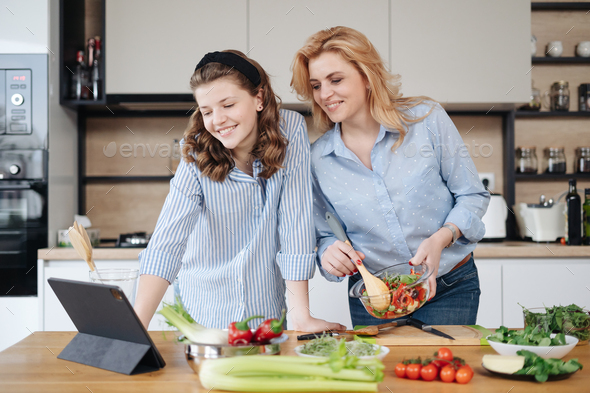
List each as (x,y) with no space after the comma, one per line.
(447,374)
(421,294)
(400,370)
(429,373)
(464,374)
(413,370)
(562,241)
(444,354)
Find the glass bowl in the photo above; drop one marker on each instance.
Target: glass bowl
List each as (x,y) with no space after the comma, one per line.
(537,316)
(197,353)
(403,299)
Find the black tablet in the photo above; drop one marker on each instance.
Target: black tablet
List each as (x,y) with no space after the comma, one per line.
(110,335)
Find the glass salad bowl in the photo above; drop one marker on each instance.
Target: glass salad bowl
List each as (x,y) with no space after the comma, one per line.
(409,290)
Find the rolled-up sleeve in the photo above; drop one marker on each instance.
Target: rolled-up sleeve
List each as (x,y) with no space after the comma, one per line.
(459,172)
(296,259)
(163,255)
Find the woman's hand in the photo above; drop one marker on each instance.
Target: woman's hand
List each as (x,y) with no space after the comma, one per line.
(310,324)
(429,253)
(336,259)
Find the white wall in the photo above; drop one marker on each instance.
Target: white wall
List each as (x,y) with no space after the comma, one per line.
(24,27)
(63,142)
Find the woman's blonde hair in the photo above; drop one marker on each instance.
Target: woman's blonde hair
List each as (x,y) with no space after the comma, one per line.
(211,157)
(384,97)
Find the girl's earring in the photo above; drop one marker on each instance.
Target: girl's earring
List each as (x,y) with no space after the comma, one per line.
(260,108)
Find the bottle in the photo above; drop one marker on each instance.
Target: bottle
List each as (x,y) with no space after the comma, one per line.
(80,78)
(91,57)
(573,216)
(95,76)
(586,217)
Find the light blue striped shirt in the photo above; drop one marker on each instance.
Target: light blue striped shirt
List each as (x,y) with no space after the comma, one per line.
(233,243)
(410,193)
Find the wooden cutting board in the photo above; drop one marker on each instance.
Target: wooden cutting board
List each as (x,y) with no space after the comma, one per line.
(409,335)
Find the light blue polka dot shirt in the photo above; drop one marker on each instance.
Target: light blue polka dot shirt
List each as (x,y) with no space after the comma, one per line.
(410,193)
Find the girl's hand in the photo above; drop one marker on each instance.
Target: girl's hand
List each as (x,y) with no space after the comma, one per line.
(315,325)
(336,259)
(429,253)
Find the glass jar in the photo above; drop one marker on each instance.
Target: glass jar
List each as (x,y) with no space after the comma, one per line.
(582,160)
(526,160)
(554,160)
(560,96)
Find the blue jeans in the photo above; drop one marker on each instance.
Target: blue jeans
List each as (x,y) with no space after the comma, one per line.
(455,303)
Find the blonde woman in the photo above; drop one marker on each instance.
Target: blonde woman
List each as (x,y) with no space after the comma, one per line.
(237,222)
(394,170)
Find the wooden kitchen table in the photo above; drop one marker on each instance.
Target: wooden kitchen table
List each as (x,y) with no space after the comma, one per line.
(32,366)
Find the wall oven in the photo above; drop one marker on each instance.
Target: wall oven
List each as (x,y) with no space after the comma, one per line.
(23,171)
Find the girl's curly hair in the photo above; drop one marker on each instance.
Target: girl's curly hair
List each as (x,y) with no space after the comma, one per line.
(209,154)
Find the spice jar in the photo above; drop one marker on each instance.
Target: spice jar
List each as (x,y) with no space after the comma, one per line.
(582,164)
(526,160)
(560,96)
(554,160)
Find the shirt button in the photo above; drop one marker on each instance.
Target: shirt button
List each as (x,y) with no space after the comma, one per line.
(379,182)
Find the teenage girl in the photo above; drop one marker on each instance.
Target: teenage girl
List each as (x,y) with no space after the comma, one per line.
(395,171)
(237,224)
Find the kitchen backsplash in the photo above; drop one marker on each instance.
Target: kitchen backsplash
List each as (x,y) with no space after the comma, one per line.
(143,146)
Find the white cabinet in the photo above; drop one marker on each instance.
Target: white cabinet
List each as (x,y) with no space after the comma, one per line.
(20,317)
(462,51)
(153,46)
(543,282)
(52,315)
(489,314)
(277,29)
(455,52)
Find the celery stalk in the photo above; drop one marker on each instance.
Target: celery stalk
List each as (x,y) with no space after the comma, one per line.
(193,331)
(278,384)
(288,374)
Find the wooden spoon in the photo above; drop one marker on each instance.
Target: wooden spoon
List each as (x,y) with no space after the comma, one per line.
(376,288)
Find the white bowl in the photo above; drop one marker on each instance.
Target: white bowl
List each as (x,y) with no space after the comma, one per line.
(555,351)
(384,351)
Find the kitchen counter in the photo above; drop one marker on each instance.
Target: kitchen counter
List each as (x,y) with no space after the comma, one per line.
(106,253)
(32,366)
(508,249)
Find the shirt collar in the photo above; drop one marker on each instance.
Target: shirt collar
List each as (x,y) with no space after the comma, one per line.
(336,144)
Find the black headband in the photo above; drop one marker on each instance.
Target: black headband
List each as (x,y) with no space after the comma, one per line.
(233,60)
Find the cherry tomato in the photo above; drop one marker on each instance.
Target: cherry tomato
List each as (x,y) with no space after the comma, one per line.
(413,370)
(562,241)
(400,370)
(445,354)
(421,294)
(464,374)
(429,373)
(447,374)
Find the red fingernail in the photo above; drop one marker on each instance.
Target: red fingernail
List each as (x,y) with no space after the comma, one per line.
(356,270)
(358,262)
(410,263)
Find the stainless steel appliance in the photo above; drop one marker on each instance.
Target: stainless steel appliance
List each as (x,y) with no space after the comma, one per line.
(23,170)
